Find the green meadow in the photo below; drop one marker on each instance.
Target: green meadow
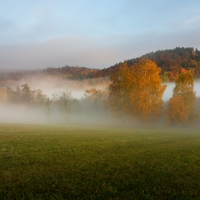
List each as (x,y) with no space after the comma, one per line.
(91,162)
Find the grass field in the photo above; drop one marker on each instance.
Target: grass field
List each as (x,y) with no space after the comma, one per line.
(60,162)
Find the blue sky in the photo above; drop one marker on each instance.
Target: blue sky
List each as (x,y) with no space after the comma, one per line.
(92,33)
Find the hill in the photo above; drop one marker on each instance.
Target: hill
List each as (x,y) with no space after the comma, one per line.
(170,61)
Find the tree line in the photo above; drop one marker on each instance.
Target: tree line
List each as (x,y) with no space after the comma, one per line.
(61,104)
(136,91)
(170,61)
(134,96)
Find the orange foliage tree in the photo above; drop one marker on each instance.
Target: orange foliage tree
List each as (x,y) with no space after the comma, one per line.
(181,108)
(136,91)
(177,111)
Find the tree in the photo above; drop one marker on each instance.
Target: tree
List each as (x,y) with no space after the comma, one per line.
(177,111)
(182,108)
(18,94)
(65,100)
(95,99)
(47,106)
(10,95)
(26,93)
(39,97)
(136,91)
(119,98)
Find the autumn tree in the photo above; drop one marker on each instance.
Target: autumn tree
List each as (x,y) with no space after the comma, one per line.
(177,112)
(95,98)
(182,108)
(119,98)
(136,91)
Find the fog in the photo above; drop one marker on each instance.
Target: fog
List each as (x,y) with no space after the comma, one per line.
(51,85)
(21,114)
(197,88)
(170,86)
(37,115)
(82,111)
(79,87)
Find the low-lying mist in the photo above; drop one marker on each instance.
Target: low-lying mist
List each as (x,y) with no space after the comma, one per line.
(80,111)
(89,111)
(50,85)
(17,113)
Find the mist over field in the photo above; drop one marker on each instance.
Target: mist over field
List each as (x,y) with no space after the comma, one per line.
(50,85)
(37,115)
(21,114)
(81,112)
(78,87)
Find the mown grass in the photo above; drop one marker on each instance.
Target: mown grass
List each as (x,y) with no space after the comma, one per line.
(60,162)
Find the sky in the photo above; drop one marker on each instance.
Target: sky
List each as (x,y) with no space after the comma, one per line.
(37,34)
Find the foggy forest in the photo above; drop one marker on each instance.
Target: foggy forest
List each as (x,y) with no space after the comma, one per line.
(79,95)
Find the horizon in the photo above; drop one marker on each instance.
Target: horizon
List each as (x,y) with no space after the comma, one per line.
(11,70)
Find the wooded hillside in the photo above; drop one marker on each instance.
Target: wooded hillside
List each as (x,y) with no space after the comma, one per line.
(170,61)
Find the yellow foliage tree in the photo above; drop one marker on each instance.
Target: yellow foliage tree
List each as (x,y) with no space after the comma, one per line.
(136,91)
(181,108)
(177,111)
(118,99)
